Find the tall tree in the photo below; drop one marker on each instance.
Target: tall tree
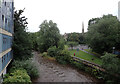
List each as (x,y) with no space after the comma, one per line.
(49,35)
(76,37)
(21,43)
(34,39)
(104,35)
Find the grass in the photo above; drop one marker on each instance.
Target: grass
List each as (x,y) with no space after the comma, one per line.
(86,56)
(90,51)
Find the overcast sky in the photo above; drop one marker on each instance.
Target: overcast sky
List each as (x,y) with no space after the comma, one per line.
(68,14)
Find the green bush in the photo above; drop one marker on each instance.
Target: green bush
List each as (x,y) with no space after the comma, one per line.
(88,69)
(111,63)
(52,51)
(78,65)
(17,76)
(61,44)
(63,57)
(28,65)
(44,54)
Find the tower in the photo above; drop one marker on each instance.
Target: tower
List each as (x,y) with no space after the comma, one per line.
(119,10)
(82,28)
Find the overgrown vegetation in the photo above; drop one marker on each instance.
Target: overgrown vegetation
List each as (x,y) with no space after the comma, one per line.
(63,57)
(21,44)
(48,36)
(111,64)
(103,34)
(71,44)
(94,72)
(76,37)
(17,76)
(53,51)
(28,65)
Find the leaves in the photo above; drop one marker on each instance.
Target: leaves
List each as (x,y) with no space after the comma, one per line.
(103,34)
(21,43)
(49,35)
(110,63)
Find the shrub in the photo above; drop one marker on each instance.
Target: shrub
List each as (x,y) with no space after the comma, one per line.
(61,44)
(52,51)
(44,54)
(72,43)
(28,65)
(63,57)
(111,63)
(88,69)
(17,76)
(78,65)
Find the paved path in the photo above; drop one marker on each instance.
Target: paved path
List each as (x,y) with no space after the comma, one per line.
(51,71)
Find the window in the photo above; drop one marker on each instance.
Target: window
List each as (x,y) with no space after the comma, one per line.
(6,20)
(4,40)
(5,3)
(3,25)
(4,43)
(3,18)
(7,55)
(2,59)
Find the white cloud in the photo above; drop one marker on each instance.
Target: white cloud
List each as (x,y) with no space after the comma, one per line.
(68,14)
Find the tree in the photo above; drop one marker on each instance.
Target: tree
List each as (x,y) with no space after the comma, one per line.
(104,35)
(93,21)
(49,35)
(72,44)
(21,44)
(111,63)
(34,39)
(76,37)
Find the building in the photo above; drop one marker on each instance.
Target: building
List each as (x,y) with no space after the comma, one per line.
(6,34)
(119,10)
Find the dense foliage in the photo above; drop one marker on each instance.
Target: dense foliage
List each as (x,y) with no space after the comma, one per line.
(49,35)
(103,34)
(72,44)
(111,63)
(34,40)
(17,76)
(28,65)
(52,51)
(63,57)
(76,37)
(21,43)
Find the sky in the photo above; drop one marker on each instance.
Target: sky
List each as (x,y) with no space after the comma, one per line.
(68,14)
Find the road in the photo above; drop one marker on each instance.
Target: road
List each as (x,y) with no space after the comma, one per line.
(51,71)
